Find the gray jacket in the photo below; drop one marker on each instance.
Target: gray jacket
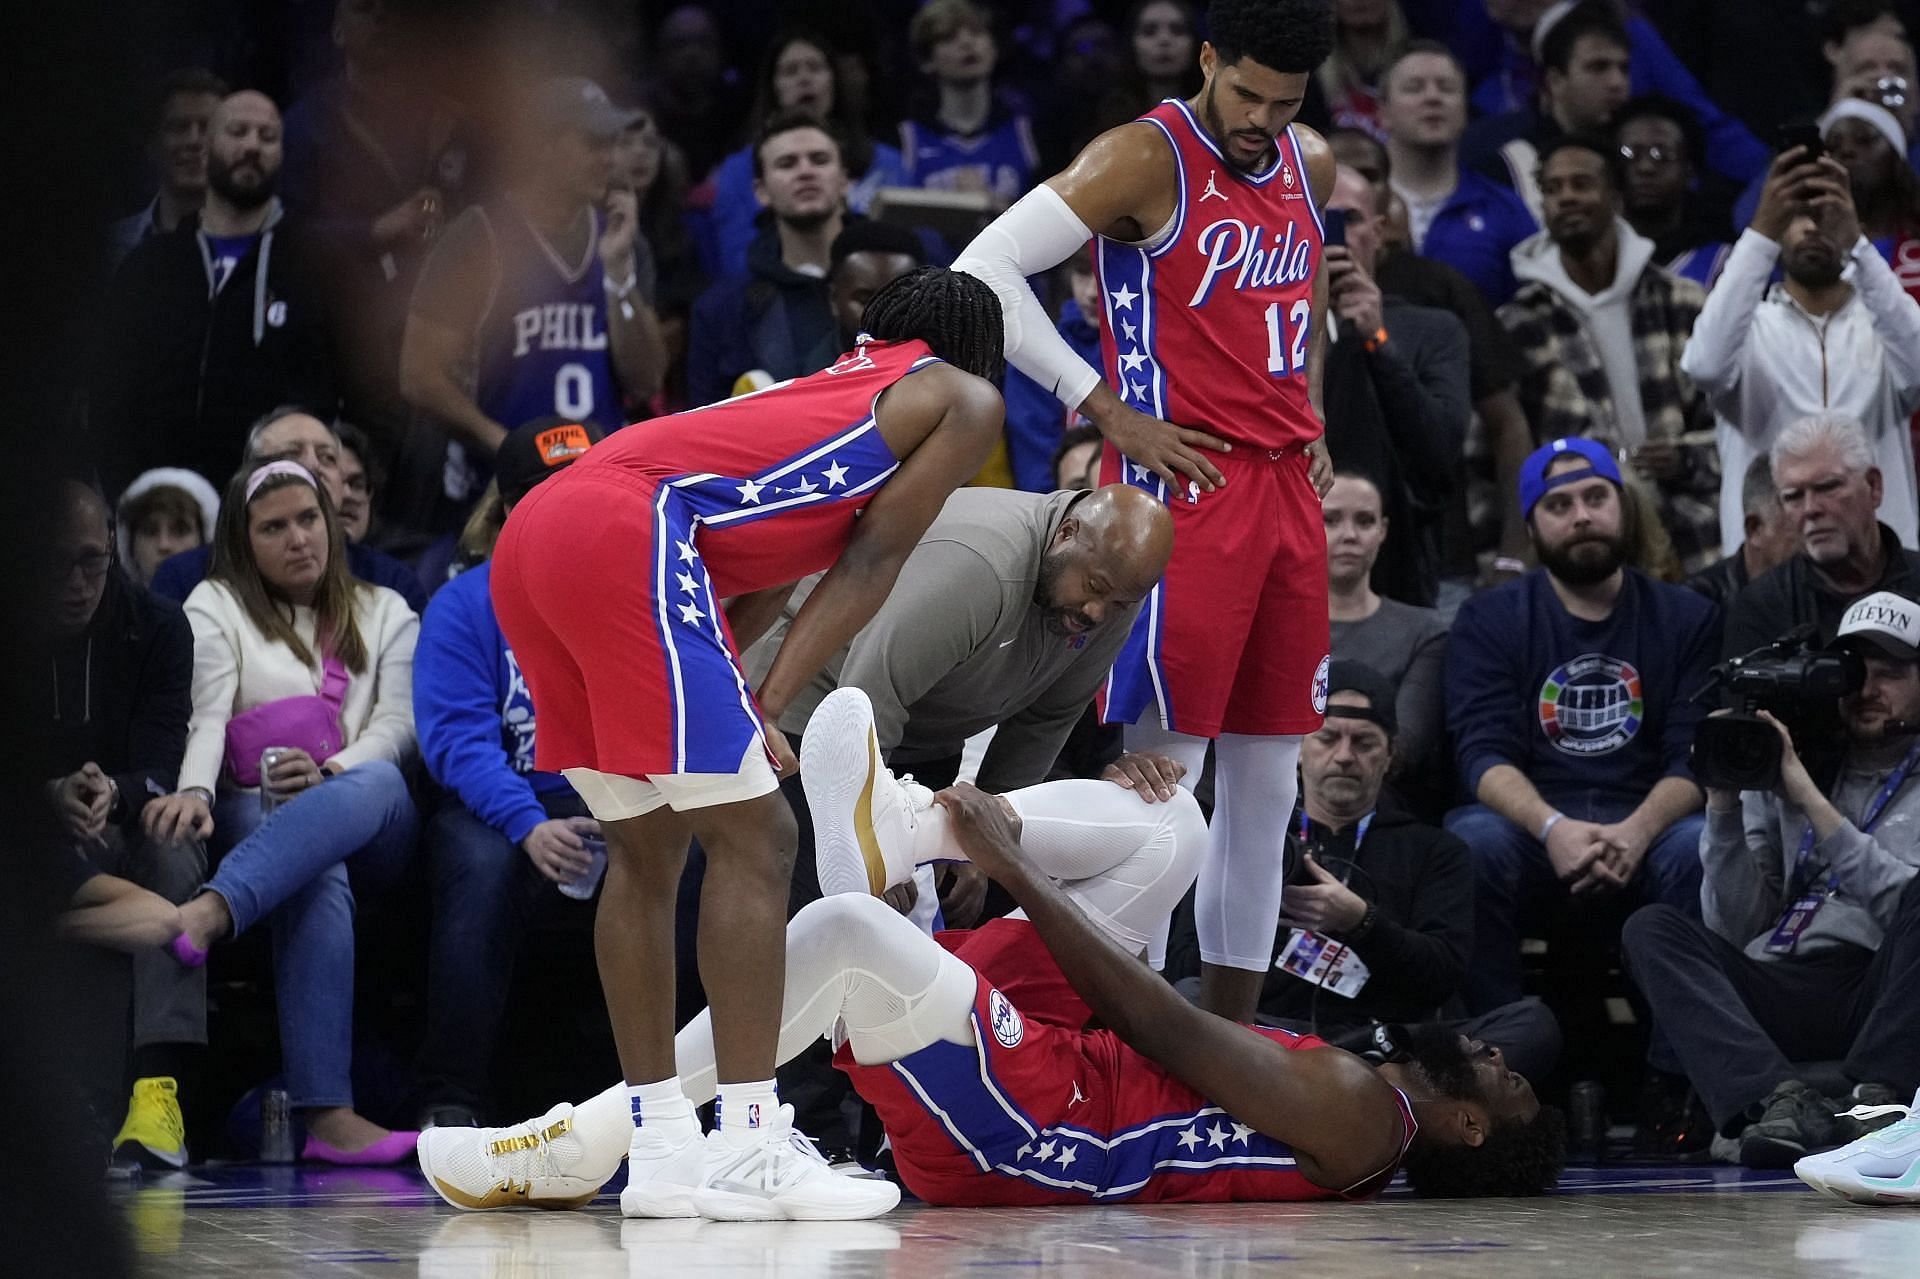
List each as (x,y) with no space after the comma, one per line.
(959,646)
(1748,862)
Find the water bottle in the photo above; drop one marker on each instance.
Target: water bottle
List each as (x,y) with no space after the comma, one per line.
(1587,1102)
(268,758)
(276,1127)
(582,888)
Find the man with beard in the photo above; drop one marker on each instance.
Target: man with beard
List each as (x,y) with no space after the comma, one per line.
(1825,339)
(977,1053)
(1809,939)
(1570,696)
(212,324)
(1008,613)
(1601,328)
(1205,217)
(776,319)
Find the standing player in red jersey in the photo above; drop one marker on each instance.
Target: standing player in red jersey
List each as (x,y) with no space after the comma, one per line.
(1207,213)
(622,585)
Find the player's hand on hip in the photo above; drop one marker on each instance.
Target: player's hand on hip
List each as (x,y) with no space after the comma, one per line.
(784,762)
(1319,466)
(1152,777)
(982,827)
(1171,452)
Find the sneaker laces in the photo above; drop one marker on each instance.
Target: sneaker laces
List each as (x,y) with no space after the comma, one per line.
(1875,1112)
(525,1151)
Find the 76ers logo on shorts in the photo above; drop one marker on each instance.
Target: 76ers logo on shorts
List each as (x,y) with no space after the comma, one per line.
(1007,1026)
(1592,705)
(1320,677)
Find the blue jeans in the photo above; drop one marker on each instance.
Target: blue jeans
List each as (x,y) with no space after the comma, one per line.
(486,891)
(290,869)
(1515,889)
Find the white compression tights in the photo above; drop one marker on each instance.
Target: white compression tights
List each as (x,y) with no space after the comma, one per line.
(850,958)
(1255,782)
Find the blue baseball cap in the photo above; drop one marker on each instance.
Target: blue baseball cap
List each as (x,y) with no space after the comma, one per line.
(1534,483)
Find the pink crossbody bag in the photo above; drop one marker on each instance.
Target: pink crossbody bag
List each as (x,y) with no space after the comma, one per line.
(311,723)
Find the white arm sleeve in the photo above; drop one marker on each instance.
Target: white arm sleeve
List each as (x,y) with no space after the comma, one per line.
(1039,232)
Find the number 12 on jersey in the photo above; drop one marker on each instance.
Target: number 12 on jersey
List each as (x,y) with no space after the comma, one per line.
(1280,360)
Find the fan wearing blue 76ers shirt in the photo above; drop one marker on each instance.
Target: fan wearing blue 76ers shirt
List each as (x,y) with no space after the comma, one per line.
(622,586)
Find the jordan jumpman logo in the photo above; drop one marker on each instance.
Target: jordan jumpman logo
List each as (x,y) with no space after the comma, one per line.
(1211,190)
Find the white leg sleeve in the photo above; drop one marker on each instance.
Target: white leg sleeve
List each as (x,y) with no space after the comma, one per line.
(1237,904)
(852,959)
(1191,752)
(1126,862)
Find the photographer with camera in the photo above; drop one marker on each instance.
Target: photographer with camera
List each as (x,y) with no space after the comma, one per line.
(1571,694)
(1831,489)
(1809,945)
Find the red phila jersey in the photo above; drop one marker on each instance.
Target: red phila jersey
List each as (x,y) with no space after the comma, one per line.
(1207,323)
(805,453)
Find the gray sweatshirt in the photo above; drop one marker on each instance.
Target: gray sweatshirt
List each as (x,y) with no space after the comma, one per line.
(959,646)
(1748,861)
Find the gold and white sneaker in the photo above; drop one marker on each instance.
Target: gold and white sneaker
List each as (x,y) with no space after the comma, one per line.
(864,817)
(543,1163)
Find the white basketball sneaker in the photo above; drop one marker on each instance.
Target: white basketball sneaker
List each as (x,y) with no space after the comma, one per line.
(665,1166)
(864,818)
(777,1175)
(539,1164)
(1880,1168)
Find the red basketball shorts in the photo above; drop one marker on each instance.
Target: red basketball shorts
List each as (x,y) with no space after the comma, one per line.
(1235,637)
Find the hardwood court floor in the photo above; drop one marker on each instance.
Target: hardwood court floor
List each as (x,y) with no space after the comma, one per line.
(1629,1221)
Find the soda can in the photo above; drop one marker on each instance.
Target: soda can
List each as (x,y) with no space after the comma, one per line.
(1587,1104)
(268,758)
(582,888)
(276,1127)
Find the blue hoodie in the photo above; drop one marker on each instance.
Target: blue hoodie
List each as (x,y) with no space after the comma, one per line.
(1580,707)
(472,711)
(1035,418)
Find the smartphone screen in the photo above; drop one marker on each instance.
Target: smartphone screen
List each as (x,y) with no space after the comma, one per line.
(1336,222)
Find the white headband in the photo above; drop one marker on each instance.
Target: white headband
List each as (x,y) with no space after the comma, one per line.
(272,469)
(1871,113)
(1546,23)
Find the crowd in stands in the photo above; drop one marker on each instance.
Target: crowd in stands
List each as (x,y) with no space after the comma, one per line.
(1623,383)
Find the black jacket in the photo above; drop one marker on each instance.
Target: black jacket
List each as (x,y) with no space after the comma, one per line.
(772,318)
(1721,582)
(183,370)
(1421,879)
(1794,594)
(119,694)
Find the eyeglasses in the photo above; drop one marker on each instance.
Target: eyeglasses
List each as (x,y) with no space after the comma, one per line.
(91,565)
(1655,154)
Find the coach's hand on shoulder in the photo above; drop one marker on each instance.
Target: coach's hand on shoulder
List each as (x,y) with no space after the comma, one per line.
(1152,777)
(983,828)
(1169,451)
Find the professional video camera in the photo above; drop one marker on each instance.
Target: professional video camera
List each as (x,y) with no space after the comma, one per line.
(1790,679)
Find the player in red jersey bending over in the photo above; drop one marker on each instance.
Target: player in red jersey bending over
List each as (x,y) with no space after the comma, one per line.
(975,1050)
(609,582)
(1207,218)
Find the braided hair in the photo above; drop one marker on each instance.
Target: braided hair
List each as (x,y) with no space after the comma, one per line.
(954,313)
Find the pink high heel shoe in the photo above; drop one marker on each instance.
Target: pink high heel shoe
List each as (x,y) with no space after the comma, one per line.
(390,1149)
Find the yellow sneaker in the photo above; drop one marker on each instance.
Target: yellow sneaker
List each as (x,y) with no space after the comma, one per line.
(155,1134)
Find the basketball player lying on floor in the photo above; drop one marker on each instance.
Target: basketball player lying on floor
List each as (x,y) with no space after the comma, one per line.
(975,1049)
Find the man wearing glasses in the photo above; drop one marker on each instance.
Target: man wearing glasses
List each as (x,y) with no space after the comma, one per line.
(112,711)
